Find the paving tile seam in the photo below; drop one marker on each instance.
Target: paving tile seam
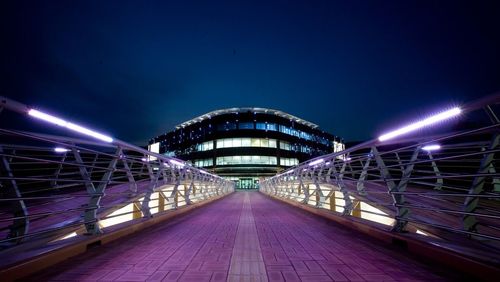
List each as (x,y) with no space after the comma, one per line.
(269,222)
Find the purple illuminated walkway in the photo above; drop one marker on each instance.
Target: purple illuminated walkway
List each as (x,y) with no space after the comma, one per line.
(245,237)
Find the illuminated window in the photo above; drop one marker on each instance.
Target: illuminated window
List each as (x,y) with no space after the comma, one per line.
(237,160)
(272,127)
(237,142)
(264,143)
(285,146)
(228,143)
(246,142)
(220,143)
(205,146)
(203,162)
(272,143)
(289,161)
(255,142)
(338,146)
(155,148)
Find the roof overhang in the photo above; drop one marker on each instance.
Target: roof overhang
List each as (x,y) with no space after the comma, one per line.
(244,110)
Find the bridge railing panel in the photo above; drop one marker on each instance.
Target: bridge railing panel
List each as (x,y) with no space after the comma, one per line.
(55,187)
(443,182)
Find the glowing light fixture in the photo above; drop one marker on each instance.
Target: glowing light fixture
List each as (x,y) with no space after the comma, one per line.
(423,123)
(318,161)
(69,125)
(60,150)
(432,147)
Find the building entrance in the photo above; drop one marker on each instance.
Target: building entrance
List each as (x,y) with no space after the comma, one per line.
(247,183)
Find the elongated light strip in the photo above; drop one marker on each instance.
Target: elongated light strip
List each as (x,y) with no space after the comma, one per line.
(69,125)
(423,123)
(433,147)
(318,161)
(60,150)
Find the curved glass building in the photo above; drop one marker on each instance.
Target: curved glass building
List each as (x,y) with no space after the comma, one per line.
(245,144)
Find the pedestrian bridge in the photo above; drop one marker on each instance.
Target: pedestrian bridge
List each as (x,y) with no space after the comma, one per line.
(417,203)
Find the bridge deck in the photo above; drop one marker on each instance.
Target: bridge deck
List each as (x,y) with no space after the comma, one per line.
(246,237)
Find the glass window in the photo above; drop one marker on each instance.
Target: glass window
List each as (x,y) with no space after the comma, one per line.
(273,160)
(236,142)
(228,143)
(285,145)
(220,143)
(203,162)
(338,147)
(255,142)
(246,125)
(272,143)
(255,159)
(241,142)
(260,126)
(264,143)
(288,161)
(271,126)
(245,142)
(236,160)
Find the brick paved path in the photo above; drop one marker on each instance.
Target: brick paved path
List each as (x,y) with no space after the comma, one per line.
(245,237)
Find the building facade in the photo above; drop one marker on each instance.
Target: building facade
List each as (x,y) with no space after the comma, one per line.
(245,144)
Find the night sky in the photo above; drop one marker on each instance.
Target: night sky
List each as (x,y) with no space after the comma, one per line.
(356,68)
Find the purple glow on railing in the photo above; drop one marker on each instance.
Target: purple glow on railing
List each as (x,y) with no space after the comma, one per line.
(318,161)
(177,163)
(60,150)
(423,123)
(433,147)
(69,125)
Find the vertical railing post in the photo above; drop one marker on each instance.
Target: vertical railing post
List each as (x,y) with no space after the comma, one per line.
(396,191)
(90,215)
(153,182)
(435,169)
(20,224)
(339,177)
(131,181)
(320,198)
(360,185)
(53,183)
(305,190)
(469,221)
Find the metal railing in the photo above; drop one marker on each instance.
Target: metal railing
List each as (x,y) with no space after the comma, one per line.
(53,186)
(442,181)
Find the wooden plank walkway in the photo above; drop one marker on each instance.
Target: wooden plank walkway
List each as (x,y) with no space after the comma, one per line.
(246,237)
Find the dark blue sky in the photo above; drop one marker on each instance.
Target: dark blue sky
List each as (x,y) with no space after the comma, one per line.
(136,69)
